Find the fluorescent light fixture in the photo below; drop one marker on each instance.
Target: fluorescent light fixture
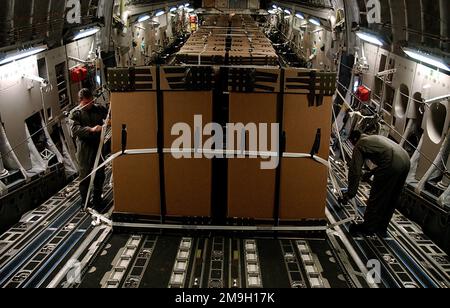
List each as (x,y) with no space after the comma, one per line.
(273,12)
(86,33)
(23,54)
(370,38)
(287,12)
(160,13)
(300,16)
(181,7)
(426,58)
(143,18)
(189,10)
(314,21)
(274,7)
(173,9)
(187,5)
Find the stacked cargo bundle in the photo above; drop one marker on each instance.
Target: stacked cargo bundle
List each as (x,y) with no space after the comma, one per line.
(159,185)
(234,40)
(206,46)
(250,47)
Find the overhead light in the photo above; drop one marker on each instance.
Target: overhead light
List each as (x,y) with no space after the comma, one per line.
(274,7)
(173,9)
(189,10)
(86,33)
(160,13)
(314,21)
(143,18)
(370,38)
(300,16)
(181,7)
(273,12)
(187,5)
(287,12)
(23,54)
(426,58)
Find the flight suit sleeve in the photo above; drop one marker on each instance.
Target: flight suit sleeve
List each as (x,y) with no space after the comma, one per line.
(355,172)
(77,130)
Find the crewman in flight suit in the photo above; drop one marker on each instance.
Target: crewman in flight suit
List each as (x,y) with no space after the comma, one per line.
(393,164)
(86,125)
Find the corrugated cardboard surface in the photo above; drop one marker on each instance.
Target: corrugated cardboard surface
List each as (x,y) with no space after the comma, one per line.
(136,185)
(138,110)
(301,123)
(251,191)
(181,107)
(136,178)
(303,189)
(188,181)
(304,181)
(188,186)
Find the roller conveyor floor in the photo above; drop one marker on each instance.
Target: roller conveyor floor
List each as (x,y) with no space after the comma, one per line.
(58,246)
(214,262)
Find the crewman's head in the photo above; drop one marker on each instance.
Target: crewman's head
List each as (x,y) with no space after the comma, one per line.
(86,98)
(355,136)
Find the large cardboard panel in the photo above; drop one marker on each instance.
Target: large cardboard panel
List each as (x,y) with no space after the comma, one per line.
(136,178)
(257,108)
(188,181)
(301,123)
(136,185)
(138,110)
(188,186)
(181,107)
(304,181)
(303,189)
(251,190)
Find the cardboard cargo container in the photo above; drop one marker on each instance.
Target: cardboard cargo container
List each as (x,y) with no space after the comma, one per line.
(136,178)
(251,191)
(187,181)
(304,181)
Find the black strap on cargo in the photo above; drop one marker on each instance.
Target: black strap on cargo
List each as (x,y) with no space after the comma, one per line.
(316,147)
(124,138)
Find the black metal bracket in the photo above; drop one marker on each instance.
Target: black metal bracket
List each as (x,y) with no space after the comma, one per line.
(316,146)
(124,138)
